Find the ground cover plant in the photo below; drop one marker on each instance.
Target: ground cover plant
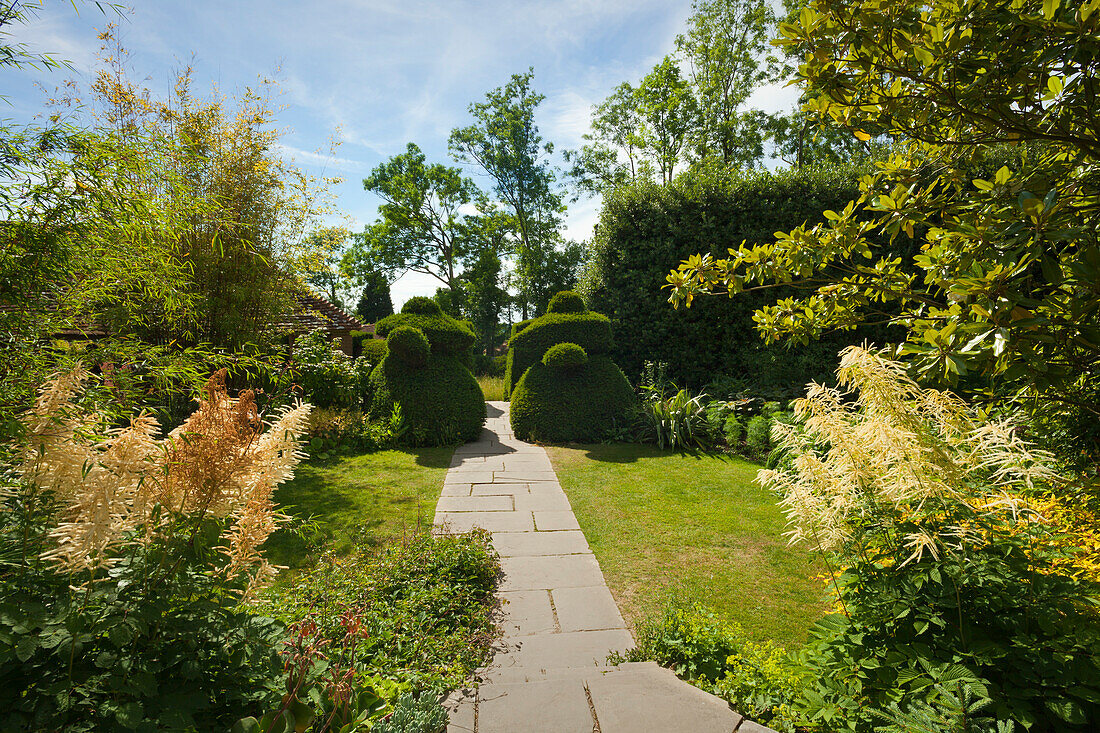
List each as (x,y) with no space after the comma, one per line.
(666,524)
(381,634)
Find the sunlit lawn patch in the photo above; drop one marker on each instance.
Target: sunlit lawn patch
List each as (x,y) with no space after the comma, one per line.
(358,499)
(492,387)
(668,524)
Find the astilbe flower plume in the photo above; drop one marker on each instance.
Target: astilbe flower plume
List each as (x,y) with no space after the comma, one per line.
(881,446)
(219,462)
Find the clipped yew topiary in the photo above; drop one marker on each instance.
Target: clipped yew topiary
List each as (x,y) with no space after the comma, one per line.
(424,372)
(569,396)
(563,386)
(590,331)
(566,302)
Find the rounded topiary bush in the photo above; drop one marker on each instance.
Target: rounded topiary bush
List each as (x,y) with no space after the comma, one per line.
(566,302)
(409,345)
(425,373)
(445,334)
(582,403)
(590,331)
(565,356)
(423,306)
(441,402)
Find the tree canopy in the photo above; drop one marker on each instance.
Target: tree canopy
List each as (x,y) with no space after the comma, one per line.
(1005,285)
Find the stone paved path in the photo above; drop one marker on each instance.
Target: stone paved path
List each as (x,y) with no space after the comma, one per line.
(559,621)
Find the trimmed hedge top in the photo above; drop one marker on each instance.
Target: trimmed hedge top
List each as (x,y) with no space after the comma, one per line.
(566,302)
(409,345)
(422,306)
(565,356)
(444,333)
(590,331)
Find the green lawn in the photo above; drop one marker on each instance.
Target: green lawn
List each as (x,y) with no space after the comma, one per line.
(667,525)
(358,499)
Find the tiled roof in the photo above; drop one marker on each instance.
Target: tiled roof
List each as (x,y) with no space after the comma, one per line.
(313,312)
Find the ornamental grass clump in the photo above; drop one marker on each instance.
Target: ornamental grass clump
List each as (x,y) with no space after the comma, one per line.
(114,486)
(947,584)
(129,564)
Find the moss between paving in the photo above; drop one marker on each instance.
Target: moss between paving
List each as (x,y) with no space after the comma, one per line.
(665,525)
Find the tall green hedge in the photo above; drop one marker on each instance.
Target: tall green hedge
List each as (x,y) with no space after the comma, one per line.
(645,230)
(590,331)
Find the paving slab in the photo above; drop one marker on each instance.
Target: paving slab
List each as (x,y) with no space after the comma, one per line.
(586,609)
(460,522)
(543,501)
(502,489)
(551,521)
(451,504)
(526,612)
(525,476)
(552,705)
(567,650)
(528,544)
(655,701)
(547,572)
(468,477)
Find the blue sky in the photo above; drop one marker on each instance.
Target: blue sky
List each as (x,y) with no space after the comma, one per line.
(376,74)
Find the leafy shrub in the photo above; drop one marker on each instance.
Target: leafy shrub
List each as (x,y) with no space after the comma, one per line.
(422,607)
(759,680)
(566,302)
(733,430)
(758,436)
(440,401)
(128,565)
(590,331)
(332,431)
(328,377)
(577,404)
(946,563)
(373,351)
(565,356)
(679,421)
(409,345)
(645,230)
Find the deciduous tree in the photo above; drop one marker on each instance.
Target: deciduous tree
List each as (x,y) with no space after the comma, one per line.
(1005,286)
(504,142)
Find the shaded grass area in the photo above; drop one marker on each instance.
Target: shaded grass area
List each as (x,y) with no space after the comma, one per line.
(491,387)
(668,525)
(355,500)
